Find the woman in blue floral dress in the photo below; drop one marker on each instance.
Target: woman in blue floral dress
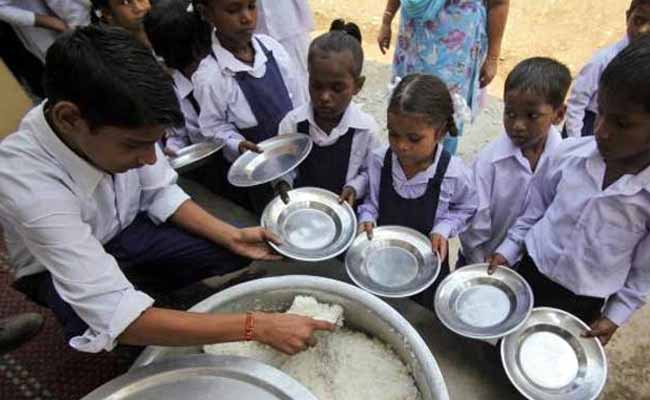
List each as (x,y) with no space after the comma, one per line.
(457,40)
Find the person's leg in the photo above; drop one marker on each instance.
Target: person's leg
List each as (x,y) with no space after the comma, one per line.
(550,294)
(166,257)
(18,330)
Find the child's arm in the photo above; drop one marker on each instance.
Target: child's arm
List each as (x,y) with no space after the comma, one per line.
(368,212)
(462,204)
(20,17)
(479,230)
(584,89)
(74,13)
(360,181)
(620,306)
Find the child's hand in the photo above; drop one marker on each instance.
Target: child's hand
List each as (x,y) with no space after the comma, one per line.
(603,328)
(348,194)
(282,189)
(495,260)
(366,227)
(439,244)
(248,145)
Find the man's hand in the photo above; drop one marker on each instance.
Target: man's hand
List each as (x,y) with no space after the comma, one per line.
(439,244)
(496,260)
(603,328)
(252,243)
(287,333)
(366,227)
(245,145)
(349,195)
(282,189)
(49,22)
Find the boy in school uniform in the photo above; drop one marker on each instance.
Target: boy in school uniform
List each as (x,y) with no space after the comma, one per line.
(583,100)
(343,134)
(88,201)
(585,234)
(182,39)
(534,103)
(127,14)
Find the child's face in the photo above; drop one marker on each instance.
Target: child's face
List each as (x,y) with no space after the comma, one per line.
(622,128)
(638,21)
(331,83)
(413,138)
(528,117)
(128,14)
(234,20)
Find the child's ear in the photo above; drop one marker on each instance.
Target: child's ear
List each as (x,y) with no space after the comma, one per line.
(559,114)
(358,84)
(67,118)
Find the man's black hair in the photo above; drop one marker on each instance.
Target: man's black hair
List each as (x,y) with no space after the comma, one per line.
(112,78)
(541,76)
(627,76)
(179,36)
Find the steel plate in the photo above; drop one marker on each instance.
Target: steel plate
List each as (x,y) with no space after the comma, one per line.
(194,156)
(314,226)
(547,359)
(474,304)
(397,262)
(203,377)
(280,155)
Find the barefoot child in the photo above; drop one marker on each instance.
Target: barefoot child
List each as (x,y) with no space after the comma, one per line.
(415,182)
(583,101)
(343,134)
(245,86)
(585,234)
(534,102)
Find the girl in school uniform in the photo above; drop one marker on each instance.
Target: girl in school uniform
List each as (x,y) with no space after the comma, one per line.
(245,86)
(415,182)
(343,134)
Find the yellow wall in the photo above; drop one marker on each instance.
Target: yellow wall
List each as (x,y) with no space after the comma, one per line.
(14,103)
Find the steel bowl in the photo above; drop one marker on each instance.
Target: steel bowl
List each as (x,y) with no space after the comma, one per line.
(547,359)
(193,156)
(397,262)
(203,377)
(363,312)
(280,155)
(476,305)
(314,226)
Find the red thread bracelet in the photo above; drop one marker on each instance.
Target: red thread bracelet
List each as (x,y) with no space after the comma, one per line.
(249,325)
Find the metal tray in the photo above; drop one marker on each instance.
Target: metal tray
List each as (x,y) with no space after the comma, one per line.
(474,304)
(397,262)
(547,359)
(280,155)
(203,377)
(194,156)
(314,226)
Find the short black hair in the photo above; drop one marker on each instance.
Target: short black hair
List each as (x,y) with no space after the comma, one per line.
(635,3)
(541,76)
(628,75)
(424,94)
(341,37)
(179,36)
(112,78)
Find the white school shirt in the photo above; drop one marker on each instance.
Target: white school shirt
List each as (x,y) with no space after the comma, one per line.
(190,133)
(458,199)
(364,141)
(22,16)
(584,94)
(73,12)
(501,176)
(591,241)
(58,211)
(224,108)
(281,19)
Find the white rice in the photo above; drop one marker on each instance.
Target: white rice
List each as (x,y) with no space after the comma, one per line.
(344,365)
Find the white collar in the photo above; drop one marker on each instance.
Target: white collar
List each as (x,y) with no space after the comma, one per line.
(506,149)
(353,117)
(86,175)
(182,85)
(229,63)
